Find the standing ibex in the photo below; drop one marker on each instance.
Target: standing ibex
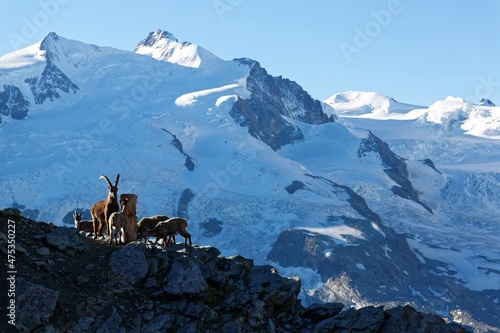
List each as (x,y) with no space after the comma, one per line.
(171,227)
(82,225)
(102,210)
(147,224)
(118,220)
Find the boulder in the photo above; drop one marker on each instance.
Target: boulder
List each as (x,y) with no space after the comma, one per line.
(36,304)
(65,239)
(130,262)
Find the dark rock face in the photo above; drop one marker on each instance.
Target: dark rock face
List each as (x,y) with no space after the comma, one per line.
(49,82)
(52,78)
(189,163)
(379,268)
(36,304)
(177,288)
(12,102)
(272,100)
(154,37)
(212,227)
(65,239)
(130,263)
(486,102)
(396,168)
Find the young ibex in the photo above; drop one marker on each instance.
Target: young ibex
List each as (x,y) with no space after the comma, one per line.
(82,225)
(118,220)
(171,227)
(147,224)
(102,210)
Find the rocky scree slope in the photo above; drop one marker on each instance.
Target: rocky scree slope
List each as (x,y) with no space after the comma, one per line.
(67,282)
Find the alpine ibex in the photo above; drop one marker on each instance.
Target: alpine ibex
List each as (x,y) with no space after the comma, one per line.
(171,227)
(118,220)
(147,224)
(82,225)
(102,210)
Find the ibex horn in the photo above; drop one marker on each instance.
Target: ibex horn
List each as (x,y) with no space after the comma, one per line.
(106,179)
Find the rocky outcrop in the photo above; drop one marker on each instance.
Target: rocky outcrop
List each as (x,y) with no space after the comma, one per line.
(12,102)
(52,78)
(377,267)
(395,168)
(149,288)
(36,304)
(273,101)
(189,163)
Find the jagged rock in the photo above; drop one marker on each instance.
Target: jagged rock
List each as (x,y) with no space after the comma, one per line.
(274,99)
(65,239)
(130,262)
(208,257)
(36,304)
(277,293)
(85,322)
(52,78)
(318,312)
(185,277)
(368,319)
(159,324)
(43,251)
(112,324)
(407,319)
(395,168)
(178,289)
(12,102)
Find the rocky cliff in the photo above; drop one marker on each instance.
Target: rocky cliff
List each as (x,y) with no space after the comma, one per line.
(66,282)
(273,104)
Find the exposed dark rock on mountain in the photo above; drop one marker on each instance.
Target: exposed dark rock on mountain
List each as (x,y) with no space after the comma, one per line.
(375,268)
(149,288)
(12,102)
(487,102)
(396,168)
(272,101)
(52,78)
(189,164)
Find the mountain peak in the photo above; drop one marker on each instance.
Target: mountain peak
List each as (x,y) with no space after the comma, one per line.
(486,102)
(163,46)
(156,37)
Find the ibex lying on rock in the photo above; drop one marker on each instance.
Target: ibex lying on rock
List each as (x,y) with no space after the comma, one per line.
(118,220)
(147,224)
(170,228)
(82,225)
(102,210)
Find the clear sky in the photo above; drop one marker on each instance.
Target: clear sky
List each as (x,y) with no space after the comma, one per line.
(416,51)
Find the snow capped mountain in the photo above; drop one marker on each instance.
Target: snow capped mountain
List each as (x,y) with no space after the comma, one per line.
(163,46)
(367,104)
(383,202)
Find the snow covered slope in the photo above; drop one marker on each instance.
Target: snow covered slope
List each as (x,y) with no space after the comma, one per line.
(462,140)
(163,46)
(252,160)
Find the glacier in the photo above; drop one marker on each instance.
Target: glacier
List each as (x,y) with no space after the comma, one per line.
(357,179)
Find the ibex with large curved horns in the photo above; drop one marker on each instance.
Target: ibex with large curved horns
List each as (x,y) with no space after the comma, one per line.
(102,210)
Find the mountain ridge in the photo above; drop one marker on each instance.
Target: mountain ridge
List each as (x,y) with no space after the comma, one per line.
(175,135)
(73,283)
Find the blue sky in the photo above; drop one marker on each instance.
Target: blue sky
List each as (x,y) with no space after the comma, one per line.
(414,51)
